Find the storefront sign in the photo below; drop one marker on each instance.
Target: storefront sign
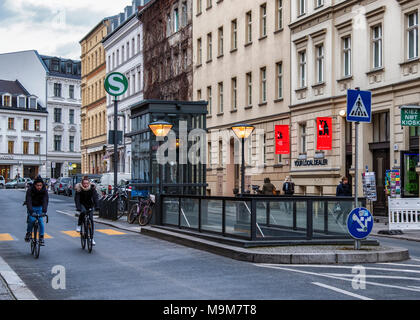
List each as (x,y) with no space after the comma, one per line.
(6,157)
(310,163)
(393,183)
(282,139)
(410,116)
(324,134)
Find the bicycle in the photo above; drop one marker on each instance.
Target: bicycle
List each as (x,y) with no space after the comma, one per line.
(143,211)
(122,202)
(35,245)
(86,231)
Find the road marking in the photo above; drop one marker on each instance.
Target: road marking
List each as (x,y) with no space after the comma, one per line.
(415,259)
(46,236)
(110,232)
(344,267)
(400,264)
(373,276)
(334,277)
(351,294)
(73,234)
(6,237)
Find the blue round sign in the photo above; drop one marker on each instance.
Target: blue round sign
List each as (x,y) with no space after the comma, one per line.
(360,223)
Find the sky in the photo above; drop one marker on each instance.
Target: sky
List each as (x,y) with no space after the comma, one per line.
(52,27)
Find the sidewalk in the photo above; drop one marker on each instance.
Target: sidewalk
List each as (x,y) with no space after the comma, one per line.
(285,254)
(382,226)
(4,291)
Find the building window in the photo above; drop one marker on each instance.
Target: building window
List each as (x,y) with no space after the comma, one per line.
(302,7)
(302,133)
(377,46)
(346,56)
(22,102)
(57,89)
(25,147)
(220,41)
(57,115)
(71,91)
(184,14)
(234,93)
(56,65)
(319,3)
(263,88)
(11,124)
(26,124)
(37,125)
(209,4)
(412,35)
(263,20)
(265,149)
(209,99)
(248,27)
(199,95)
(381,127)
(69,68)
(302,69)
(57,143)
(176,20)
(133,47)
(71,116)
(11,147)
(279,15)
(36,148)
(71,144)
(249,150)
(320,63)
(128,50)
(279,80)
(199,6)
(209,47)
(32,103)
(234,34)
(220,97)
(199,52)
(249,89)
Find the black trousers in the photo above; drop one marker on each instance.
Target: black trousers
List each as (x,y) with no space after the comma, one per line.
(82,217)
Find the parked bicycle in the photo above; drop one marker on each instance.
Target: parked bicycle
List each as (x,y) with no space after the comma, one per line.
(86,231)
(34,240)
(142,211)
(122,196)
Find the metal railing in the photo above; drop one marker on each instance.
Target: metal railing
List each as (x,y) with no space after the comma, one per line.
(259,218)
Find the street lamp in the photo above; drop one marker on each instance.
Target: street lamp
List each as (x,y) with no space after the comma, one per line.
(160,129)
(243,131)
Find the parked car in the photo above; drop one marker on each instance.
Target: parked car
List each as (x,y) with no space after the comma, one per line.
(68,189)
(61,185)
(16,184)
(52,184)
(107,181)
(28,182)
(2,182)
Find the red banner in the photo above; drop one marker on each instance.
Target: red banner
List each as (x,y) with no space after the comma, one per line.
(282,139)
(324,133)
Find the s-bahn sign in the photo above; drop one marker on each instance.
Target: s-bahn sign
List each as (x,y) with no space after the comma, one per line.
(116,84)
(410,116)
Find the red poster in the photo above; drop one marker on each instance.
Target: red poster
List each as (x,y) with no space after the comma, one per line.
(282,139)
(324,134)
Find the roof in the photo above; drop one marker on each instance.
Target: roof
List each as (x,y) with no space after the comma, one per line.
(94,28)
(15,88)
(119,27)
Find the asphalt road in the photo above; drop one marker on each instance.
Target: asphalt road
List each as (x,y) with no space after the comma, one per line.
(134,266)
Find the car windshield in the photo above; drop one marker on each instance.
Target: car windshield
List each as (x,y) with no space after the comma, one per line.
(65,180)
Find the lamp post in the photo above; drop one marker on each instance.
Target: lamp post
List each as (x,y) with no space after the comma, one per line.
(160,129)
(243,131)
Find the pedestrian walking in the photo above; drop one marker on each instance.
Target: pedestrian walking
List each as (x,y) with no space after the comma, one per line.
(268,187)
(289,190)
(343,208)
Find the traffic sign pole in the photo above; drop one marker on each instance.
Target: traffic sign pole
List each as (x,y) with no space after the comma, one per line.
(357,243)
(115,144)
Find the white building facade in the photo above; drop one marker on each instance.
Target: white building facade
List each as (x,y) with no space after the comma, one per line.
(124,54)
(64,123)
(23,132)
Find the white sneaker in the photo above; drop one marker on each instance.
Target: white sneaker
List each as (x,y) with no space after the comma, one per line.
(78,229)
(93,243)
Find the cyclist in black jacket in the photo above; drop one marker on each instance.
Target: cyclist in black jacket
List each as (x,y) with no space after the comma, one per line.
(86,198)
(36,202)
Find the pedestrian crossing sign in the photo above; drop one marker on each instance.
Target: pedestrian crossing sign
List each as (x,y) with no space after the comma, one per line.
(359,108)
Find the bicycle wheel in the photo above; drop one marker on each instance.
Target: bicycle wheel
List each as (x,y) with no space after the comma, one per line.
(83,235)
(132,215)
(89,232)
(145,216)
(37,247)
(121,207)
(32,245)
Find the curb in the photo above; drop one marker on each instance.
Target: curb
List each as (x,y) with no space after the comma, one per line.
(392,255)
(14,283)
(241,254)
(395,237)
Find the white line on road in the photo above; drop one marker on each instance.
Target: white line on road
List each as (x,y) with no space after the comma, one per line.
(400,264)
(373,276)
(351,294)
(339,278)
(414,259)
